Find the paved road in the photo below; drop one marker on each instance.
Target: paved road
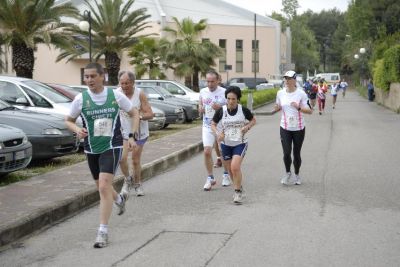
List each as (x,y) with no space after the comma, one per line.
(346,212)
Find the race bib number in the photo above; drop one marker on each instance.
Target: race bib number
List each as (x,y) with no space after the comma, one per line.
(103,127)
(233,134)
(292,122)
(209,111)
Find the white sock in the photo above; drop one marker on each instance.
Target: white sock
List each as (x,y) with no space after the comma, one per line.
(103,228)
(119,199)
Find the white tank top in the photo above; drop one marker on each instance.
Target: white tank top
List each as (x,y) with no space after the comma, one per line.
(232,125)
(126,120)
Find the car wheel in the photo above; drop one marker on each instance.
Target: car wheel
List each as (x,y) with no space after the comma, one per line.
(165,125)
(187,117)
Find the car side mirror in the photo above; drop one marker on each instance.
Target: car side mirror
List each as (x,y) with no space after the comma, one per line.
(22,101)
(181,92)
(160,98)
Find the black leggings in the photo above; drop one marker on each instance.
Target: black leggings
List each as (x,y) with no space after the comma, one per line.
(287,137)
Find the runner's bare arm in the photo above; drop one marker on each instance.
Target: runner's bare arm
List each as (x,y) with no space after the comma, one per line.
(71,125)
(145,112)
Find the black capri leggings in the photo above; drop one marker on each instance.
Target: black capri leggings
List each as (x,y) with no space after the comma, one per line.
(287,138)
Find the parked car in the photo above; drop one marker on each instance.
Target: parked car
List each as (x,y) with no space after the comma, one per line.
(263,86)
(175,88)
(66,90)
(15,149)
(173,113)
(158,120)
(249,81)
(190,108)
(33,95)
(48,134)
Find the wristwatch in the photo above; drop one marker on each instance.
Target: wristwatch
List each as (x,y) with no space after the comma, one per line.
(134,136)
(299,108)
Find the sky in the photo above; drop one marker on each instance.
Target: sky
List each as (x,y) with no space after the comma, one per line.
(265,7)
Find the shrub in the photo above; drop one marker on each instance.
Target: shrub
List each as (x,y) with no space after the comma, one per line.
(387,70)
(259,97)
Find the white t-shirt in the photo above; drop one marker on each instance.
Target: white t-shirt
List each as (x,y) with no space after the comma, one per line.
(98,99)
(207,99)
(291,119)
(126,121)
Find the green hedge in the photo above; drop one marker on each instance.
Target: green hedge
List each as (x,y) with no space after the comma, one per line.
(387,69)
(259,97)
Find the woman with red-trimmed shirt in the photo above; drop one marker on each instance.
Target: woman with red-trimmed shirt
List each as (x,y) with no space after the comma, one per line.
(292,102)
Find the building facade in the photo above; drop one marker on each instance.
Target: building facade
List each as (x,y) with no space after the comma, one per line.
(232,28)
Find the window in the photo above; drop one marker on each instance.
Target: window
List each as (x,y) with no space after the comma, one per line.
(205,40)
(37,100)
(255,56)
(239,55)
(9,93)
(222,59)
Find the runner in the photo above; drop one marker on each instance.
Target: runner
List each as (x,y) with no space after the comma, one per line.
(292,102)
(99,108)
(343,86)
(236,121)
(321,97)
(139,101)
(334,90)
(212,98)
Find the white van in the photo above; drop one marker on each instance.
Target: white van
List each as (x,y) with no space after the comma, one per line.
(330,78)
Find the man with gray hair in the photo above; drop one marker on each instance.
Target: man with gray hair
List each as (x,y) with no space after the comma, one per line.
(138,100)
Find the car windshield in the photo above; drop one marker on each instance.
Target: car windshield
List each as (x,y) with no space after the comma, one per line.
(47,91)
(188,89)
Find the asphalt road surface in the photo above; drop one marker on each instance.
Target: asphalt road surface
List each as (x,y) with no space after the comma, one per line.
(346,212)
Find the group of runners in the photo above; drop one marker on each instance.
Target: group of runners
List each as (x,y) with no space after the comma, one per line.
(316,90)
(115,125)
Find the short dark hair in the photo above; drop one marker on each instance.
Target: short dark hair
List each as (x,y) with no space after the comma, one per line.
(94,65)
(233,89)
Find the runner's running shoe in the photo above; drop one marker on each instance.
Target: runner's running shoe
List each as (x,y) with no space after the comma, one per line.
(226,180)
(121,206)
(127,186)
(297,179)
(101,240)
(238,197)
(209,183)
(139,190)
(285,179)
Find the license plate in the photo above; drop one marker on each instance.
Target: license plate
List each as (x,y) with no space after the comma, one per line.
(19,155)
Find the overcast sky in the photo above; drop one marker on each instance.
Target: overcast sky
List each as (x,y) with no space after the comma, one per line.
(265,7)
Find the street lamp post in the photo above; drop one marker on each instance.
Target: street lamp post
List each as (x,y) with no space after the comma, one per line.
(87,26)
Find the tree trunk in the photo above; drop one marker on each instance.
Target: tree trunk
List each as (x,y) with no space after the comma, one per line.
(188,81)
(196,80)
(23,60)
(113,63)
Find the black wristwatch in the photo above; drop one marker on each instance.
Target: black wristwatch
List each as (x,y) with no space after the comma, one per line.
(133,135)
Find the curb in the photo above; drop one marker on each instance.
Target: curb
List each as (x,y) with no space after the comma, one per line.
(67,208)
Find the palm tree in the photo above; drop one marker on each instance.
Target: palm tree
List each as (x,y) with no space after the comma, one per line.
(189,55)
(147,57)
(26,23)
(114,29)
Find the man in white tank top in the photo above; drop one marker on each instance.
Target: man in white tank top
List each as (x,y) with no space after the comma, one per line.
(139,100)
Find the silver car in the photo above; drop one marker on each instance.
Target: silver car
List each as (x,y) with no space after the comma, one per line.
(15,149)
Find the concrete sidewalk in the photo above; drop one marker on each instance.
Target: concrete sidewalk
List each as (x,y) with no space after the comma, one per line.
(41,201)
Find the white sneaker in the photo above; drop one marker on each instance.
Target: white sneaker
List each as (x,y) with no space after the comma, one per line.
(297,179)
(139,190)
(238,197)
(285,179)
(121,206)
(226,180)
(127,186)
(101,240)
(209,183)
